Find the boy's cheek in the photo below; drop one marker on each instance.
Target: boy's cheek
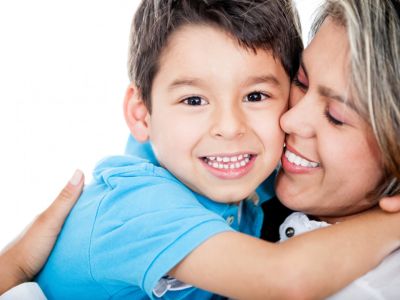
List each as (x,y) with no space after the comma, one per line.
(271,135)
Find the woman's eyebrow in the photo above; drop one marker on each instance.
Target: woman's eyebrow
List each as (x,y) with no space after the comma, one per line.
(329,93)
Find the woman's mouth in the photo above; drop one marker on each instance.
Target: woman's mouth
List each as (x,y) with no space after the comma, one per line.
(299,161)
(296,164)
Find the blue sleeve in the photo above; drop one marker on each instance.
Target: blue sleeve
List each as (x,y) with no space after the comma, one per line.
(144,227)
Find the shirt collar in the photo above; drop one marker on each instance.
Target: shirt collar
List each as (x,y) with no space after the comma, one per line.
(298,223)
(142,150)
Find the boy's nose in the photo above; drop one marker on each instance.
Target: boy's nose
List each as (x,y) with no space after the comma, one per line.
(229,123)
(298,120)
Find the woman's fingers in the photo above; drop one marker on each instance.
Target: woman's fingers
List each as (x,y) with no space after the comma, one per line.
(54,216)
(390,204)
(38,241)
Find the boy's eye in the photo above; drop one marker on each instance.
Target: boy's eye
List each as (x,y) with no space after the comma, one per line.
(256,97)
(194,101)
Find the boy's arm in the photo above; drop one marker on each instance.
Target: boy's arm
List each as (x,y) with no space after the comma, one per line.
(309,266)
(22,259)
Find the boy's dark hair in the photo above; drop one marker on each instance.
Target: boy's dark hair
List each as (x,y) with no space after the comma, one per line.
(270,25)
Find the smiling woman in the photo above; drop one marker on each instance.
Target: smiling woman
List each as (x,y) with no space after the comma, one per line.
(346,164)
(344,156)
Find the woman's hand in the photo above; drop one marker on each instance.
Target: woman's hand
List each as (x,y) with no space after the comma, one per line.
(24,257)
(390,204)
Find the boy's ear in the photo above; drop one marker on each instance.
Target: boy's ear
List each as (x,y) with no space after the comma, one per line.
(136,114)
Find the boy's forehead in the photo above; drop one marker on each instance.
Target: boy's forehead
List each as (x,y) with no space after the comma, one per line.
(200,45)
(184,36)
(207,61)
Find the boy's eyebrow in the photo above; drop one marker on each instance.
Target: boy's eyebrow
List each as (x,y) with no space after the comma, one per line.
(184,82)
(264,79)
(197,82)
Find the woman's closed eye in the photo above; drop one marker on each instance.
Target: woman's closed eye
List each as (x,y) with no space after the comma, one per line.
(332,118)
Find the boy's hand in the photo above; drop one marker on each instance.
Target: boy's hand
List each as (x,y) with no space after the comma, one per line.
(390,204)
(24,257)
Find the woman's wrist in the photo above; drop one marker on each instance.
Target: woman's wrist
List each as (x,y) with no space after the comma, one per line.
(11,274)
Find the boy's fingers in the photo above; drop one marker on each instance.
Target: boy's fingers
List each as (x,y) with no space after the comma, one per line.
(390,204)
(56,213)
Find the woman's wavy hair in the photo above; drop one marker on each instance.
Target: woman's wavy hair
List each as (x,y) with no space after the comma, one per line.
(373,31)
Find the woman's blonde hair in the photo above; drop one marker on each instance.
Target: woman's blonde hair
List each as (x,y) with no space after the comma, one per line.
(373,30)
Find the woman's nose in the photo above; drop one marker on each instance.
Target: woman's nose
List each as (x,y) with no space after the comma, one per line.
(299,118)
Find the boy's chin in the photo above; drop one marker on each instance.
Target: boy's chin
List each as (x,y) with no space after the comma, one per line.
(227,198)
(226,193)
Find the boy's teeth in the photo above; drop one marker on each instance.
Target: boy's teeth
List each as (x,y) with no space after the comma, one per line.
(228,162)
(299,161)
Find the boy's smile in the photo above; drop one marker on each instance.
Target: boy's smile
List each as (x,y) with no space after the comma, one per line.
(215,113)
(229,166)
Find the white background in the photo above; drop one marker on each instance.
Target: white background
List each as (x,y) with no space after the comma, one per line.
(62,81)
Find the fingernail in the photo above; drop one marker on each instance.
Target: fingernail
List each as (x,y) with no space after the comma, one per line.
(76,178)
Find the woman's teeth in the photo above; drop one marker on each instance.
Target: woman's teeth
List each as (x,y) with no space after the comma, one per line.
(299,161)
(228,162)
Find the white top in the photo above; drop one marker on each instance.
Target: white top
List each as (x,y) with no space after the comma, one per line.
(26,291)
(381,283)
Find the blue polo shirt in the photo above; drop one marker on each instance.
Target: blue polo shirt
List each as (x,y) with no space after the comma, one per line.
(132,225)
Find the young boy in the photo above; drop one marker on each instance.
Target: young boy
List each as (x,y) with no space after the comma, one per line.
(210,80)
